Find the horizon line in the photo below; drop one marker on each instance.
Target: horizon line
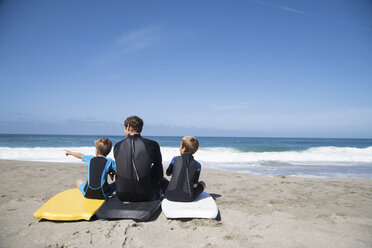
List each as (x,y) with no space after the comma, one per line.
(251,137)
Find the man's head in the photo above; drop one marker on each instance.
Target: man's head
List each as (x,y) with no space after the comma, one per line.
(189,144)
(103,146)
(133,125)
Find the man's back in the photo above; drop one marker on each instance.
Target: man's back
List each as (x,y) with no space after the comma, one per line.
(139,168)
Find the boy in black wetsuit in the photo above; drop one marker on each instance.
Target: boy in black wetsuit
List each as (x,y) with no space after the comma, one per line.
(96,186)
(184,185)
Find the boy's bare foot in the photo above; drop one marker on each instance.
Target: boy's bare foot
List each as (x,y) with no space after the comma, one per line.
(79,182)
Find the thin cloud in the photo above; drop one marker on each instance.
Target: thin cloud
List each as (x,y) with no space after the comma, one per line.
(293,10)
(281,7)
(296,11)
(130,42)
(138,39)
(230,106)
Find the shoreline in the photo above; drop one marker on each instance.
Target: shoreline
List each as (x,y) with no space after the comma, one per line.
(300,171)
(256,211)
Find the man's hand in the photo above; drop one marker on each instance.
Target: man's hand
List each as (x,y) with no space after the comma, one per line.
(202,183)
(112,175)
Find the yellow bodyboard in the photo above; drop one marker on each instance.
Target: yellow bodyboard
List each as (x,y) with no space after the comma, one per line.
(68,205)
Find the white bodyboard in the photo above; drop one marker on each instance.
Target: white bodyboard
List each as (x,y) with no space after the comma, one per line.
(204,207)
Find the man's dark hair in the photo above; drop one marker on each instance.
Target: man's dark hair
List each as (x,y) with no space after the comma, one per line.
(135,123)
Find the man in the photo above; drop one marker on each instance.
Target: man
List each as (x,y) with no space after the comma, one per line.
(139,164)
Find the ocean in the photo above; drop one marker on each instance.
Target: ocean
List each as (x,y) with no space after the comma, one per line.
(306,157)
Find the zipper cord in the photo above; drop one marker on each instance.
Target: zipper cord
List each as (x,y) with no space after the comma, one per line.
(188,179)
(133,163)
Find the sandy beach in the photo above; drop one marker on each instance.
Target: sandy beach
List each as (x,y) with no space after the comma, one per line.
(255,211)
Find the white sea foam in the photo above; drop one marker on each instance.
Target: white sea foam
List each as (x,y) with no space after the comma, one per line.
(218,157)
(315,156)
(45,154)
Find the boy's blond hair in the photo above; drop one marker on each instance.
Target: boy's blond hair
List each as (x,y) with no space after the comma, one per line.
(190,143)
(104,146)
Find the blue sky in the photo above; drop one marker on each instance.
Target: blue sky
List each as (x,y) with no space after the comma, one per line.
(205,68)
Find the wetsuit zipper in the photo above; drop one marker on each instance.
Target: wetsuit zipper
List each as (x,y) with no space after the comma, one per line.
(188,179)
(133,163)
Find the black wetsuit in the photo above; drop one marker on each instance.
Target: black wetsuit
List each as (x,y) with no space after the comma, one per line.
(139,168)
(185,171)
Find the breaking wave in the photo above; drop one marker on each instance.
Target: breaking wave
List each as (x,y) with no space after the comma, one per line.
(328,155)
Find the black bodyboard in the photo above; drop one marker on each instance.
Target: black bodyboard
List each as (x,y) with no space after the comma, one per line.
(114,209)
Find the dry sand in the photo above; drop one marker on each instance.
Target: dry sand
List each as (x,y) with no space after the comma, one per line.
(255,211)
